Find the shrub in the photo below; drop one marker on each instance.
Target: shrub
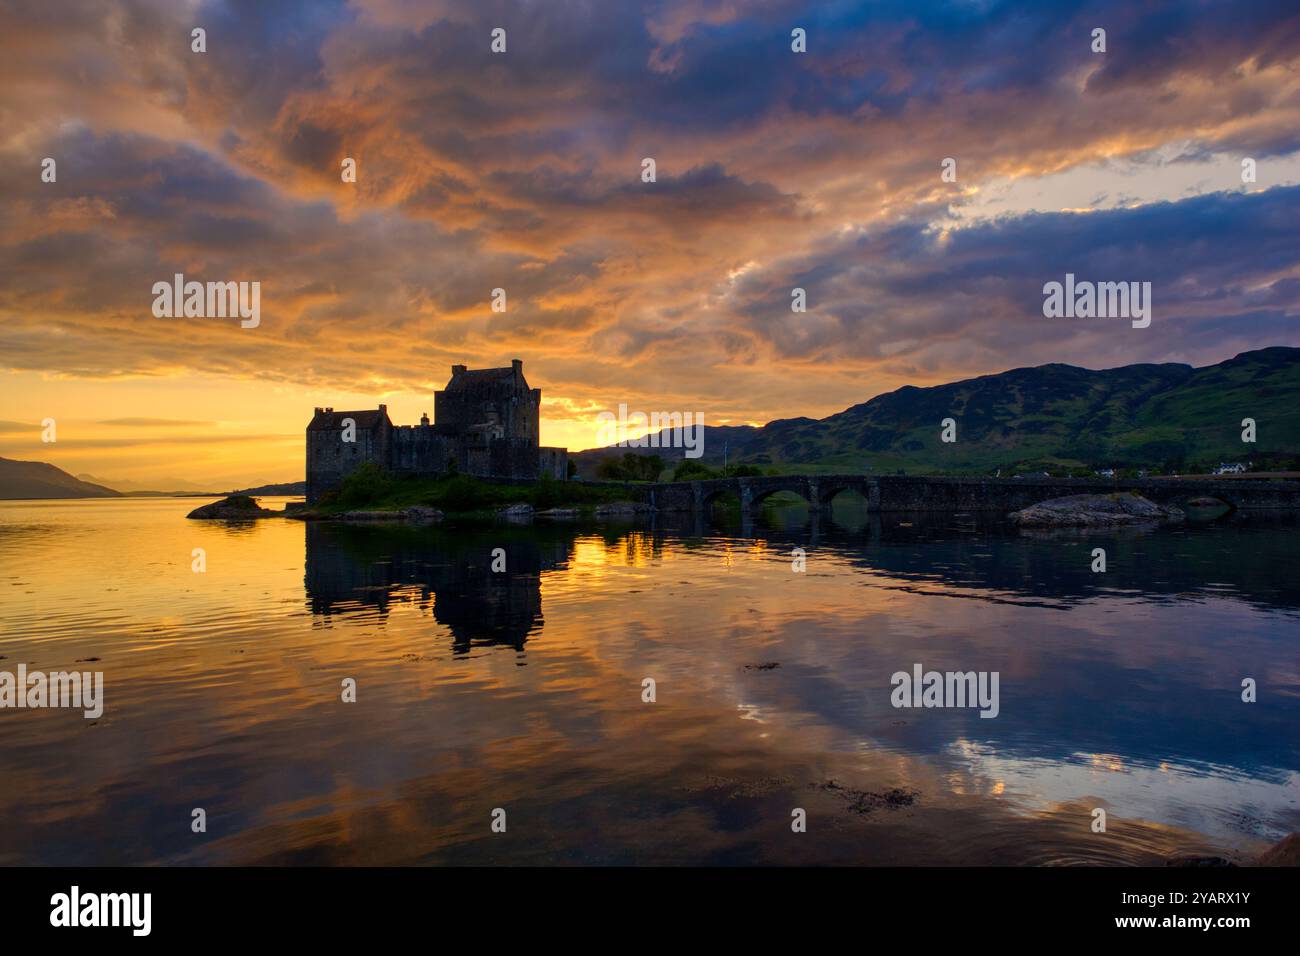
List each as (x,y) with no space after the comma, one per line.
(463,493)
(549,493)
(367,485)
(631,467)
(690,470)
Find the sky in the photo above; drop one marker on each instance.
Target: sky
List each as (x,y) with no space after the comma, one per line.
(523,170)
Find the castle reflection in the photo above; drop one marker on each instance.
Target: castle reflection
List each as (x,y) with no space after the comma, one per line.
(354,568)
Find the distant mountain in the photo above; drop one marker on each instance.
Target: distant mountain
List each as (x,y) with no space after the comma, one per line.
(36,479)
(1166,416)
(174,486)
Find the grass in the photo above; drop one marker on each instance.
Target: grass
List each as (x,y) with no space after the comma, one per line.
(371,488)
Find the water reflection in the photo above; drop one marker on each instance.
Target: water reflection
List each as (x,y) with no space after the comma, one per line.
(1098,682)
(1119,690)
(351,567)
(979,552)
(367,565)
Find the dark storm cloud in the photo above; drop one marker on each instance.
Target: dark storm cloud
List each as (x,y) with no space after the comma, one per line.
(903,291)
(522,171)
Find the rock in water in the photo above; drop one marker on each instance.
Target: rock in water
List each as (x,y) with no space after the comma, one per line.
(621,509)
(234,508)
(1093,511)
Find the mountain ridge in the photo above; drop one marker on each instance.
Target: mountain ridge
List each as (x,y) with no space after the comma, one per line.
(40,480)
(1166,415)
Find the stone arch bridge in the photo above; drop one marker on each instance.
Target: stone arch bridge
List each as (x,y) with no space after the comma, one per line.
(904,493)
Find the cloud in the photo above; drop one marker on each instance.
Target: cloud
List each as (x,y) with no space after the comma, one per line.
(154,441)
(1220,266)
(153,422)
(522,171)
(18,428)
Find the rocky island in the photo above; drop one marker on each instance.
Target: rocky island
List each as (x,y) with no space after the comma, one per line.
(234,508)
(1092,511)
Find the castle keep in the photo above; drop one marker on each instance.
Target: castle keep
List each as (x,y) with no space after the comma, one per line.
(486,423)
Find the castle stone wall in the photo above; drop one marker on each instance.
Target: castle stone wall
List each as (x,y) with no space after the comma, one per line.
(553,463)
(420,450)
(330,459)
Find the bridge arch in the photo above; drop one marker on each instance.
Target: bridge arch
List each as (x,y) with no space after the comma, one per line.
(827,490)
(717,491)
(757,498)
(755,491)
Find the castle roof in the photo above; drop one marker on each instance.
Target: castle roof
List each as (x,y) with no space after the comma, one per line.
(475,378)
(326,419)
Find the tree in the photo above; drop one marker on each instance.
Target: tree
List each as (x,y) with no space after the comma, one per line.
(690,470)
(631,467)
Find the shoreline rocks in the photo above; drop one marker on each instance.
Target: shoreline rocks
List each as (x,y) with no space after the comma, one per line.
(415,514)
(621,509)
(421,514)
(558,513)
(1093,511)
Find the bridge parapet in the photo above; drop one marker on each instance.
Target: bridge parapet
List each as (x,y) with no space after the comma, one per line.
(907,493)
(817,490)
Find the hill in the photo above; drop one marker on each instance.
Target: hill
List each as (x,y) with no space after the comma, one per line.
(285,488)
(36,479)
(1170,417)
(150,489)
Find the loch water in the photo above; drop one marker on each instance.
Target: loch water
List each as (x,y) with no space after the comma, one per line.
(525,689)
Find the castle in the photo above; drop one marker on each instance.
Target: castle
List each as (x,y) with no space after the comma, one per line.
(486,423)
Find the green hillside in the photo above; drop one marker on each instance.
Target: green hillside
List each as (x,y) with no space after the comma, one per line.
(1166,417)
